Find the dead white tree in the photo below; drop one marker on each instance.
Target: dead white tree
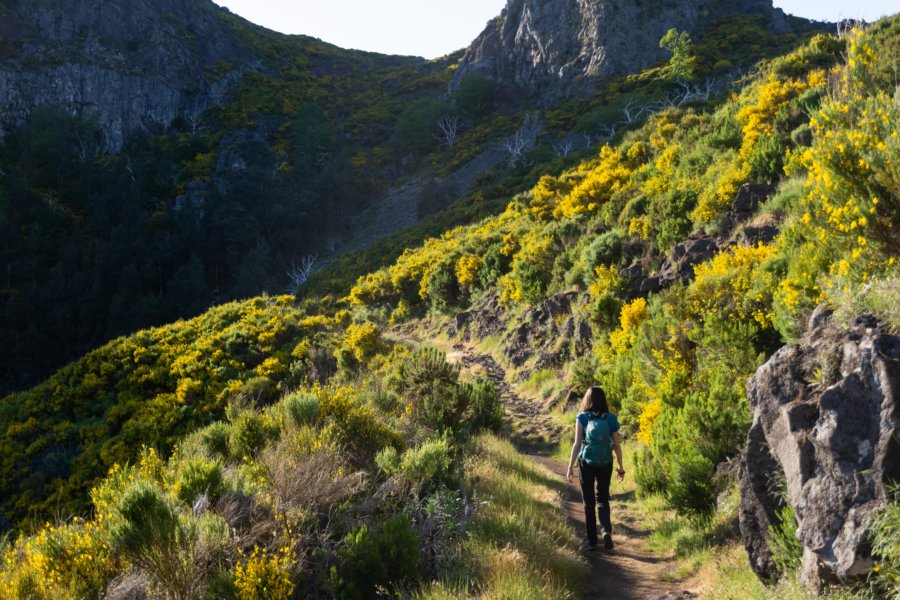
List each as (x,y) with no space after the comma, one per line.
(300,273)
(192,115)
(524,138)
(633,111)
(515,147)
(448,127)
(608,131)
(846,26)
(563,148)
(83,148)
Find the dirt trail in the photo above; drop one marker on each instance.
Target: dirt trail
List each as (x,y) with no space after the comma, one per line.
(629,572)
(529,426)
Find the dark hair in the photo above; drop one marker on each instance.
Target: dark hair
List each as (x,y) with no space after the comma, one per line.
(595,401)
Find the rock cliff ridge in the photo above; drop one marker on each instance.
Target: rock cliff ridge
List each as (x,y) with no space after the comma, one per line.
(553,48)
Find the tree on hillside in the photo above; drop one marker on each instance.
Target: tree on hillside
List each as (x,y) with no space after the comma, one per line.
(475,97)
(679,43)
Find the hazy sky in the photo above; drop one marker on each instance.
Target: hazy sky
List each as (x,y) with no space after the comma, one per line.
(432,28)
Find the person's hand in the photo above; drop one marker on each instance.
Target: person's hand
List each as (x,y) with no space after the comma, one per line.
(620,474)
(569,474)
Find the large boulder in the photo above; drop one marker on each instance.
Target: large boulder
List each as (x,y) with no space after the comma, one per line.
(824,440)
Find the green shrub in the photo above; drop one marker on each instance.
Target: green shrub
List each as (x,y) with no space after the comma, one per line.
(215,439)
(582,373)
(388,460)
(494,265)
(148,531)
(302,409)
(258,391)
(371,558)
(691,489)
(475,96)
(485,407)
(249,433)
(442,287)
(650,474)
(606,249)
(200,476)
(354,427)
(604,309)
(427,465)
(885,531)
(786,549)
(767,160)
(430,385)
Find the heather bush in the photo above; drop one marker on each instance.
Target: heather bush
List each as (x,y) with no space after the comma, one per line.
(375,556)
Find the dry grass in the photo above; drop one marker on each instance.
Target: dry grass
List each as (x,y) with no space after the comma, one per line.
(313,481)
(519,543)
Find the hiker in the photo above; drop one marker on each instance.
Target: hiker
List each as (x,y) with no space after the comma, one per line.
(596,436)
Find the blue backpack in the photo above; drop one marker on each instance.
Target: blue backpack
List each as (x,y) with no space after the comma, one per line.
(597,445)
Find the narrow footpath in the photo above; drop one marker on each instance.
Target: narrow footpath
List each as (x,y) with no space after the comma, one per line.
(629,571)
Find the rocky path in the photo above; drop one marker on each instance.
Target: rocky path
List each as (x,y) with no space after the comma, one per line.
(528,425)
(628,572)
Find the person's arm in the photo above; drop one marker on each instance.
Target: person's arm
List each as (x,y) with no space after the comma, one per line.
(620,474)
(579,436)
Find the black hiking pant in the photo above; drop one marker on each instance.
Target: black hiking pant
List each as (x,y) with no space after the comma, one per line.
(595,495)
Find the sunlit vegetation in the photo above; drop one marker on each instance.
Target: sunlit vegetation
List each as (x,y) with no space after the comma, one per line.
(318,463)
(274,448)
(820,124)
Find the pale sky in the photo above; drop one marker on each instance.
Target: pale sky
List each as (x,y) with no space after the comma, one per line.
(433,28)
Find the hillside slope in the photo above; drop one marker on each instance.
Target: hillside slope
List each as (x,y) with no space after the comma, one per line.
(667,266)
(139,65)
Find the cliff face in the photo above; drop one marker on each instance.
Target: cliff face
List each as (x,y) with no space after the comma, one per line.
(550,48)
(132,64)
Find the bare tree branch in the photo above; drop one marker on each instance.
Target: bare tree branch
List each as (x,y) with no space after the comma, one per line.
(633,111)
(299,274)
(449,129)
(563,148)
(524,137)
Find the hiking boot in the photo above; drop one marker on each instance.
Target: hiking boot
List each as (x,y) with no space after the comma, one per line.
(592,547)
(607,540)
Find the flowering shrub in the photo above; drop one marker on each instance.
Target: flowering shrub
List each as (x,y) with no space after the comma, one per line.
(735,285)
(847,230)
(264,575)
(633,314)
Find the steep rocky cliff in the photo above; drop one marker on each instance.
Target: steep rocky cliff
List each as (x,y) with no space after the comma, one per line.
(129,63)
(549,48)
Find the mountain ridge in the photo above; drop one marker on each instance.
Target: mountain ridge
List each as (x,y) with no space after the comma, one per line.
(551,50)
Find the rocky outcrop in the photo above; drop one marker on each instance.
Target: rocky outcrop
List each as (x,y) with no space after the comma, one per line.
(824,439)
(679,266)
(130,64)
(541,337)
(747,200)
(551,48)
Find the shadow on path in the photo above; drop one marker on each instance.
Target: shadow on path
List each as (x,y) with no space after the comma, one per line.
(627,572)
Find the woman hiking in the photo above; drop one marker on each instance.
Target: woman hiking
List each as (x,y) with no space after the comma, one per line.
(596,436)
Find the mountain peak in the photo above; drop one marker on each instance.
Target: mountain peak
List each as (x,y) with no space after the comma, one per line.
(548,48)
